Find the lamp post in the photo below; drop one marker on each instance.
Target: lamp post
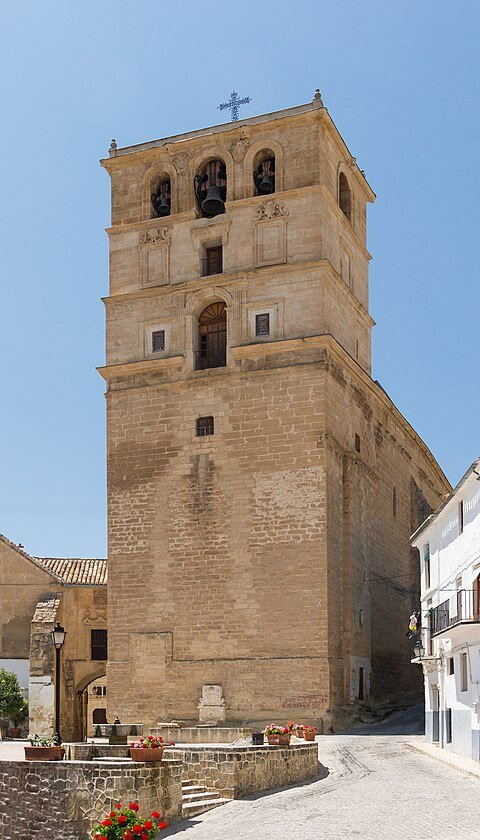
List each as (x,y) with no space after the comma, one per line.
(58,638)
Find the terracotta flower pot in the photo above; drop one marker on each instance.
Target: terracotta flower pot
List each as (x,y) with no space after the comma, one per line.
(44,753)
(146,753)
(309,736)
(298,732)
(273,740)
(15,732)
(284,740)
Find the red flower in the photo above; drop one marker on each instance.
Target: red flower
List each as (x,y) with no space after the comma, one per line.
(122,819)
(144,835)
(156,815)
(127,835)
(134,806)
(148,824)
(106,823)
(162,824)
(137,828)
(118,805)
(112,814)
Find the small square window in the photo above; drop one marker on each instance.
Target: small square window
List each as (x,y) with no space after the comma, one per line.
(158,341)
(262,324)
(205,426)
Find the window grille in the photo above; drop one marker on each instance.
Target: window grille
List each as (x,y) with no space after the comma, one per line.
(205,426)
(262,324)
(158,341)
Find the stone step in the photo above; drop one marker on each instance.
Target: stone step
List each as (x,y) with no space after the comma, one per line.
(193,788)
(199,806)
(201,794)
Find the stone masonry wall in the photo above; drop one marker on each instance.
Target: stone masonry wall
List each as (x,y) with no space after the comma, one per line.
(64,800)
(237,772)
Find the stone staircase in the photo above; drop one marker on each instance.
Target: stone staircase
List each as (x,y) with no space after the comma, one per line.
(196,799)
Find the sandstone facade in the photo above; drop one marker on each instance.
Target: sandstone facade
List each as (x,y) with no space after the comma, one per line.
(253,558)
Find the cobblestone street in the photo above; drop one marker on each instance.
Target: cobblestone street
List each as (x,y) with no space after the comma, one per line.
(376,789)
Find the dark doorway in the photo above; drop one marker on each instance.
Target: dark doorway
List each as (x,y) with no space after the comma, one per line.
(360,684)
(435,715)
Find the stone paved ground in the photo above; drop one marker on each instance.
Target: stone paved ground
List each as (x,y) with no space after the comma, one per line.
(376,789)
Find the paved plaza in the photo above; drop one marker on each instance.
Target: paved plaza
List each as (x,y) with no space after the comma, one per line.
(376,789)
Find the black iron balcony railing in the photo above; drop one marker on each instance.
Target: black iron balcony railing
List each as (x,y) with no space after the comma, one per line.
(465,606)
(210,359)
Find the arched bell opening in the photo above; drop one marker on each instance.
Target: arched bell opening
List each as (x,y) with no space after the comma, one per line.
(344,196)
(212,337)
(264,172)
(211,188)
(161,197)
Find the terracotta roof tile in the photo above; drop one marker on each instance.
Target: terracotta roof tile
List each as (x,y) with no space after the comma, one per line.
(80,571)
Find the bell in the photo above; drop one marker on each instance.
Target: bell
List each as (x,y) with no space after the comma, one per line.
(266,184)
(163,207)
(213,203)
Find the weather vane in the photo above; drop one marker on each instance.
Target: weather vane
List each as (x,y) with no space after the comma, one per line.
(234,104)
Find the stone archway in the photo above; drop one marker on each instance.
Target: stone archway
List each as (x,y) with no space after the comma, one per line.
(81,700)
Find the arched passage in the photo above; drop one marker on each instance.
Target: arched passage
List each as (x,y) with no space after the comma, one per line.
(82,711)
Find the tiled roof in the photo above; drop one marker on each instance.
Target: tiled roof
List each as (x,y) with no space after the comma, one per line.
(80,571)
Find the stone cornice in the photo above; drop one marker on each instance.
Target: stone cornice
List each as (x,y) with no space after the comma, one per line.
(242,279)
(109,372)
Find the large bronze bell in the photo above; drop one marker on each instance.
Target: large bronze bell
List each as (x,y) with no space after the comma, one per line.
(265,186)
(163,207)
(213,203)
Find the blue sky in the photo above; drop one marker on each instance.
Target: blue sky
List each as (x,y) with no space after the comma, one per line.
(399,78)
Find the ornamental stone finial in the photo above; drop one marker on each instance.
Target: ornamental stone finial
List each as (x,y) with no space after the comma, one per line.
(113,148)
(317,99)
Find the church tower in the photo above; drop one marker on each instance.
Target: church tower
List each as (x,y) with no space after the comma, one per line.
(261,486)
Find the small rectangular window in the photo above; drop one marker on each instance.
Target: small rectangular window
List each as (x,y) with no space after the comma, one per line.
(451,666)
(426,559)
(357,443)
(448,726)
(205,426)
(464,672)
(158,341)
(262,324)
(460,517)
(213,263)
(99,645)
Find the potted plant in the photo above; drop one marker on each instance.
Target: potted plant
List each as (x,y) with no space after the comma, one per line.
(148,749)
(298,730)
(13,706)
(277,735)
(43,749)
(126,824)
(309,733)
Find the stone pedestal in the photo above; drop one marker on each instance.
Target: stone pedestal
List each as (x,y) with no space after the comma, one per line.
(212,707)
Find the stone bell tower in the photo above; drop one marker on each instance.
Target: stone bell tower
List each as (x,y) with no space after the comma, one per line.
(260,482)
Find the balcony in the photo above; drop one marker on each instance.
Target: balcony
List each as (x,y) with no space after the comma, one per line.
(210,358)
(463,610)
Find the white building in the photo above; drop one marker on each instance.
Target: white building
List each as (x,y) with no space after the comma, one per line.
(449,546)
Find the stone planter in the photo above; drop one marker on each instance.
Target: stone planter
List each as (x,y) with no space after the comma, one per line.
(309,736)
(44,753)
(146,753)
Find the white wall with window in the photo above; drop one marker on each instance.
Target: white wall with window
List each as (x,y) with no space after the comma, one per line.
(449,546)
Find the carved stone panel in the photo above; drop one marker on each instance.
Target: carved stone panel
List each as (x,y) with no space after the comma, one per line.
(270,234)
(155,257)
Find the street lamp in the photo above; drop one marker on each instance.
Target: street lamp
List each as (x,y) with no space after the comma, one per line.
(58,638)
(418,649)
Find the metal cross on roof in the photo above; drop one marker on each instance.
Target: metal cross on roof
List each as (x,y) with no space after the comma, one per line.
(234,104)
